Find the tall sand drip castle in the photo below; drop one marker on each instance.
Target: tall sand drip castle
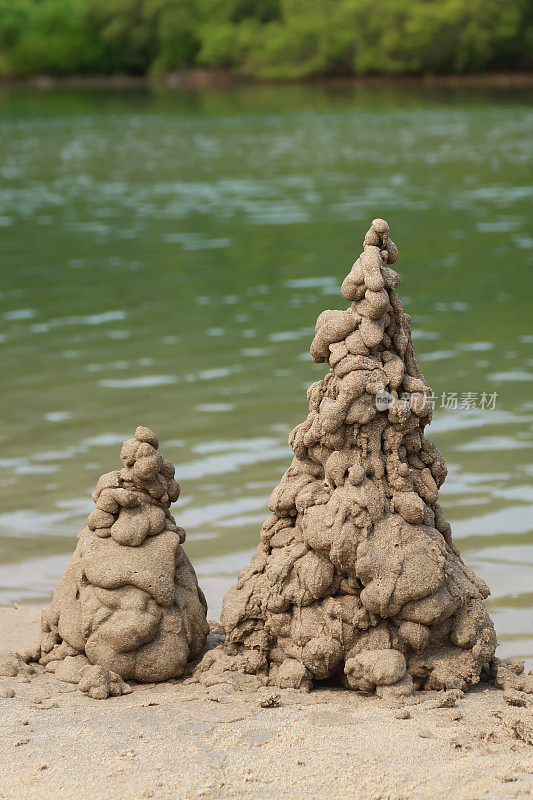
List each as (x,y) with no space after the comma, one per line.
(128,604)
(356,576)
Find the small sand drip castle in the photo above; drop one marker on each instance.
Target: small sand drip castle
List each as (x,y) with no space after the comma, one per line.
(356,576)
(128,604)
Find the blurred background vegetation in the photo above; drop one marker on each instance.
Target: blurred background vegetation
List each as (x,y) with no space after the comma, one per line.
(278,39)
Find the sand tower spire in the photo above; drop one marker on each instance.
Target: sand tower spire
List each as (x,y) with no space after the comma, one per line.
(356,576)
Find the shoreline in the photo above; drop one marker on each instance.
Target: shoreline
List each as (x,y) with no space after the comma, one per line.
(225,79)
(181,739)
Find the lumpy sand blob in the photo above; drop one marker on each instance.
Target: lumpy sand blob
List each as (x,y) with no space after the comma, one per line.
(128,605)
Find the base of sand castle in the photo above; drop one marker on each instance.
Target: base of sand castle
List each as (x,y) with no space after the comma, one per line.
(177,739)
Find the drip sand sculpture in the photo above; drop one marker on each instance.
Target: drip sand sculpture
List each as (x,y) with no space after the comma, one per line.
(128,604)
(355,578)
(356,575)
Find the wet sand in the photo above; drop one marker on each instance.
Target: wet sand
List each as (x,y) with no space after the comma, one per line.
(180,741)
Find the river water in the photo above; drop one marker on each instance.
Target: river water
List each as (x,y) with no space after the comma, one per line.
(164,256)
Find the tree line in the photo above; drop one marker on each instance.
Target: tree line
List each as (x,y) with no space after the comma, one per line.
(277,39)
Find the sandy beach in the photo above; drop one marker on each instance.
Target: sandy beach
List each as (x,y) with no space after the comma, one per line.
(182,740)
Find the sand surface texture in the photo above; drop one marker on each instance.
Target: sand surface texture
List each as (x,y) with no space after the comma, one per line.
(177,740)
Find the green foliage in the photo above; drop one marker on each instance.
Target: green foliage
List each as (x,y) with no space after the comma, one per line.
(148,35)
(264,38)
(363,37)
(51,37)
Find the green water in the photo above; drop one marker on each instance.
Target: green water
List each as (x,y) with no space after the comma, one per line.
(164,258)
